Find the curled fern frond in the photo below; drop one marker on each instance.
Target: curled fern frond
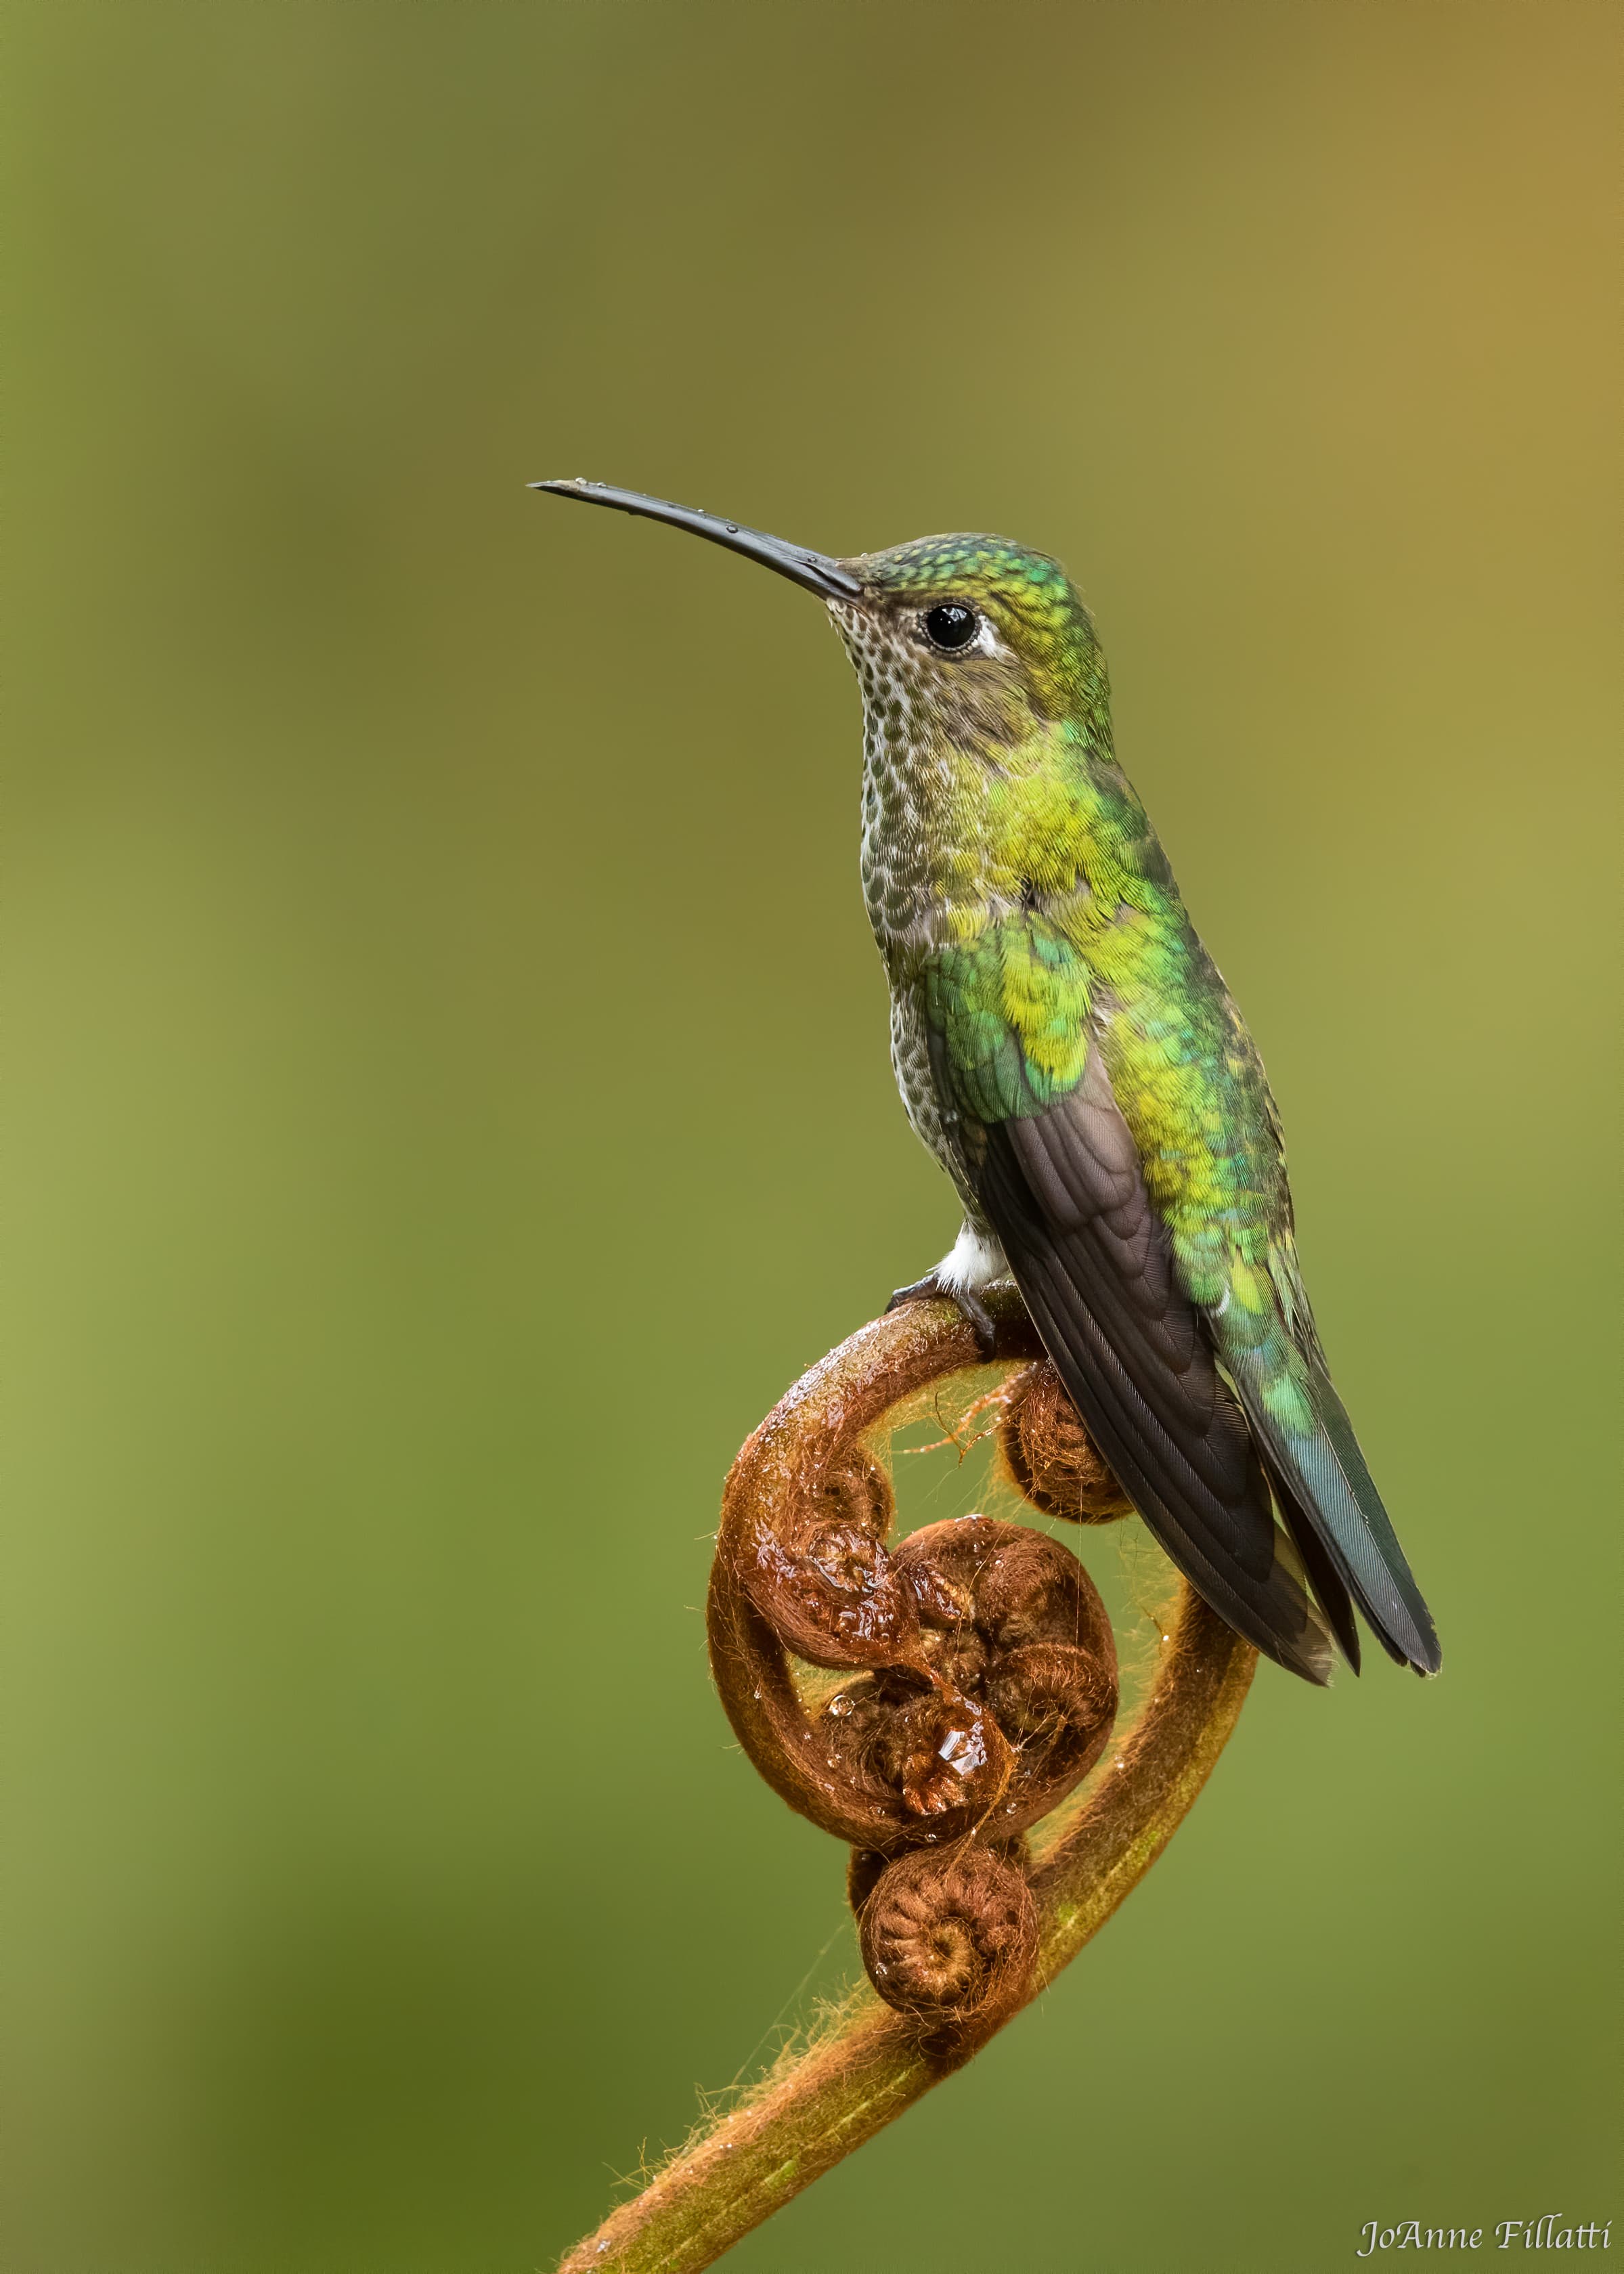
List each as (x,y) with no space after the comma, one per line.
(979,1688)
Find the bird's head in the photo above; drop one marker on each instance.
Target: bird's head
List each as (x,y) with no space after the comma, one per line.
(974,636)
(971,637)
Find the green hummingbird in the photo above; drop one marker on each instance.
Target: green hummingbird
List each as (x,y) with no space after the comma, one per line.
(1066,1048)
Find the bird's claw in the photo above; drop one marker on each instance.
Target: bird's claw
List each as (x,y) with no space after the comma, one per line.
(969,1308)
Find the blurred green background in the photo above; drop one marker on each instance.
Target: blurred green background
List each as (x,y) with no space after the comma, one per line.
(448,1096)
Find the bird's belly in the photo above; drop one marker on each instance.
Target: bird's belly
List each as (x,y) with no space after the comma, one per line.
(910,1060)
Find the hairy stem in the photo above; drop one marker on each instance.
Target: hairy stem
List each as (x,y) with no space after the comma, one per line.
(867,2066)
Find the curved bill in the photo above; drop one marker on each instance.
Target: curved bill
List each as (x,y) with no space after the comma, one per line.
(814,570)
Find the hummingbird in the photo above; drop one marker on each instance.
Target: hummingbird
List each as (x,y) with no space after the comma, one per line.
(1068,1051)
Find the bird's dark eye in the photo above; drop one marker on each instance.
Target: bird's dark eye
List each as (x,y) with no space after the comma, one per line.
(950,624)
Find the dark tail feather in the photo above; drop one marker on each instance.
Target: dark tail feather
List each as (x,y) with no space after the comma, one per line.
(1330,1591)
(1324,1483)
(1252,1587)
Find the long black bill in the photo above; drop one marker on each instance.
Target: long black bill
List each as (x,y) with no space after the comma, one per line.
(814,570)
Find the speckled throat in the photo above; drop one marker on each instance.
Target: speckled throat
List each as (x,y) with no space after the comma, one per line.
(897,757)
(913,881)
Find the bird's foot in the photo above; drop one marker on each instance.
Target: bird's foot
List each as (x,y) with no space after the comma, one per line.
(969,1306)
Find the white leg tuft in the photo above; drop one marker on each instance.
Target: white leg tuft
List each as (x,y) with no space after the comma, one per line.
(974,1261)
